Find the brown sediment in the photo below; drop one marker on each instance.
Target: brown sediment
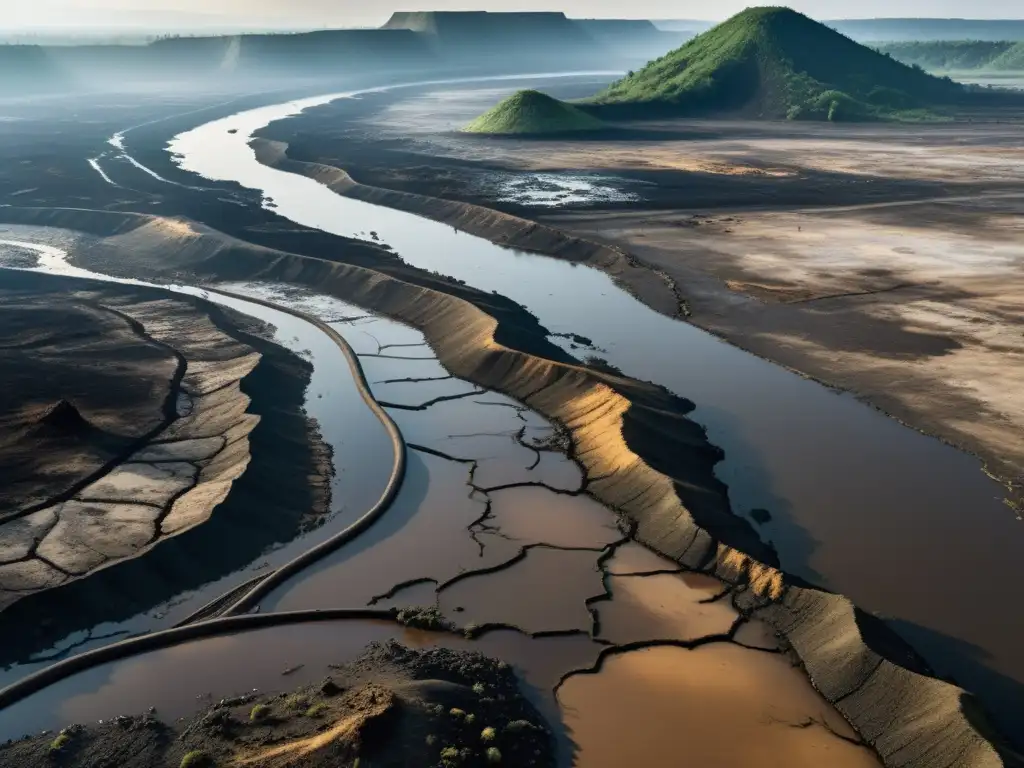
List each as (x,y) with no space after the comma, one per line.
(621,431)
(715,705)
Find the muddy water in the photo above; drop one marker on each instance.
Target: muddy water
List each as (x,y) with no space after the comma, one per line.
(446,522)
(362,453)
(717,706)
(846,486)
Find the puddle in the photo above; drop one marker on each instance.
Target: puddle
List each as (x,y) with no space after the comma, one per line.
(512,595)
(663,605)
(547,189)
(844,484)
(718,705)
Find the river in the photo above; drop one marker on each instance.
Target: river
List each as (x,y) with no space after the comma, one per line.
(908,527)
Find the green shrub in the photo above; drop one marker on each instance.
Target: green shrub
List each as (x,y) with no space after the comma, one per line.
(196,759)
(259,712)
(60,742)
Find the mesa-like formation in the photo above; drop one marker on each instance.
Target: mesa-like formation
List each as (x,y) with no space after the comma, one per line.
(776,63)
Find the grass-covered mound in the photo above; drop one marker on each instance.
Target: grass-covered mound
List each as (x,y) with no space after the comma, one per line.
(776,63)
(532,112)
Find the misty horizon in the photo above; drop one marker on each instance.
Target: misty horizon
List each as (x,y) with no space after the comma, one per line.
(95,16)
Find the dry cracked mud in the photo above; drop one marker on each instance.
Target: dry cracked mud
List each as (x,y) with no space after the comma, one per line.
(125,425)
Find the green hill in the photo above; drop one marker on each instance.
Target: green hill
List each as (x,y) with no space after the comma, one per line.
(532,112)
(1011,60)
(776,63)
(947,55)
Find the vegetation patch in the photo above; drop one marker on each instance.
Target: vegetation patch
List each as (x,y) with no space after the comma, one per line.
(196,759)
(533,113)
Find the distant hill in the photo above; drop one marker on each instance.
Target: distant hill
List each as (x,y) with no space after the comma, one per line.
(516,37)
(532,112)
(925,30)
(27,70)
(947,55)
(536,39)
(1011,60)
(776,63)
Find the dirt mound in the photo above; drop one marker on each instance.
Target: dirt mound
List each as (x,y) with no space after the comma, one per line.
(393,707)
(64,417)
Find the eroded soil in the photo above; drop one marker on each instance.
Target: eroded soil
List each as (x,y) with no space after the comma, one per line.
(390,707)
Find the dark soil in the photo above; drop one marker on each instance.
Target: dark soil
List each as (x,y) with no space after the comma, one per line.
(284,490)
(393,707)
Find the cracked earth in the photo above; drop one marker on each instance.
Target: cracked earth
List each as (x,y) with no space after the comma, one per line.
(494,535)
(176,454)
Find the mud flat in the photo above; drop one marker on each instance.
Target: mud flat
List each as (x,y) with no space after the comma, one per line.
(600,411)
(775,455)
(598,408)
(269,516)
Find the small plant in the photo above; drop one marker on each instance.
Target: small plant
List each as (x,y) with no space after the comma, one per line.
(520,725)
(488,734)
(196,759)
(296,702)
(470,718)
(259,712)
(449,755)
(456,712)
(479,688)
(60,742)
(431,739)
(493,755)
(316,710)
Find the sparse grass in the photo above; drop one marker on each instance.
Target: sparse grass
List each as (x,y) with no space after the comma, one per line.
(517,726)
(423,618)
(532,112)
(196,759)
(774,63)
(297,702)
(316,710)
(259,712)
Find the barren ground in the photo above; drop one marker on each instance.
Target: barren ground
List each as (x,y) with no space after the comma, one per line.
(882,259)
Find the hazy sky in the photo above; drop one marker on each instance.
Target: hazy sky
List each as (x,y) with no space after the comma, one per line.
(370,12)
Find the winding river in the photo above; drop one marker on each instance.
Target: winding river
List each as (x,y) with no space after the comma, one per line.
(860,504)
